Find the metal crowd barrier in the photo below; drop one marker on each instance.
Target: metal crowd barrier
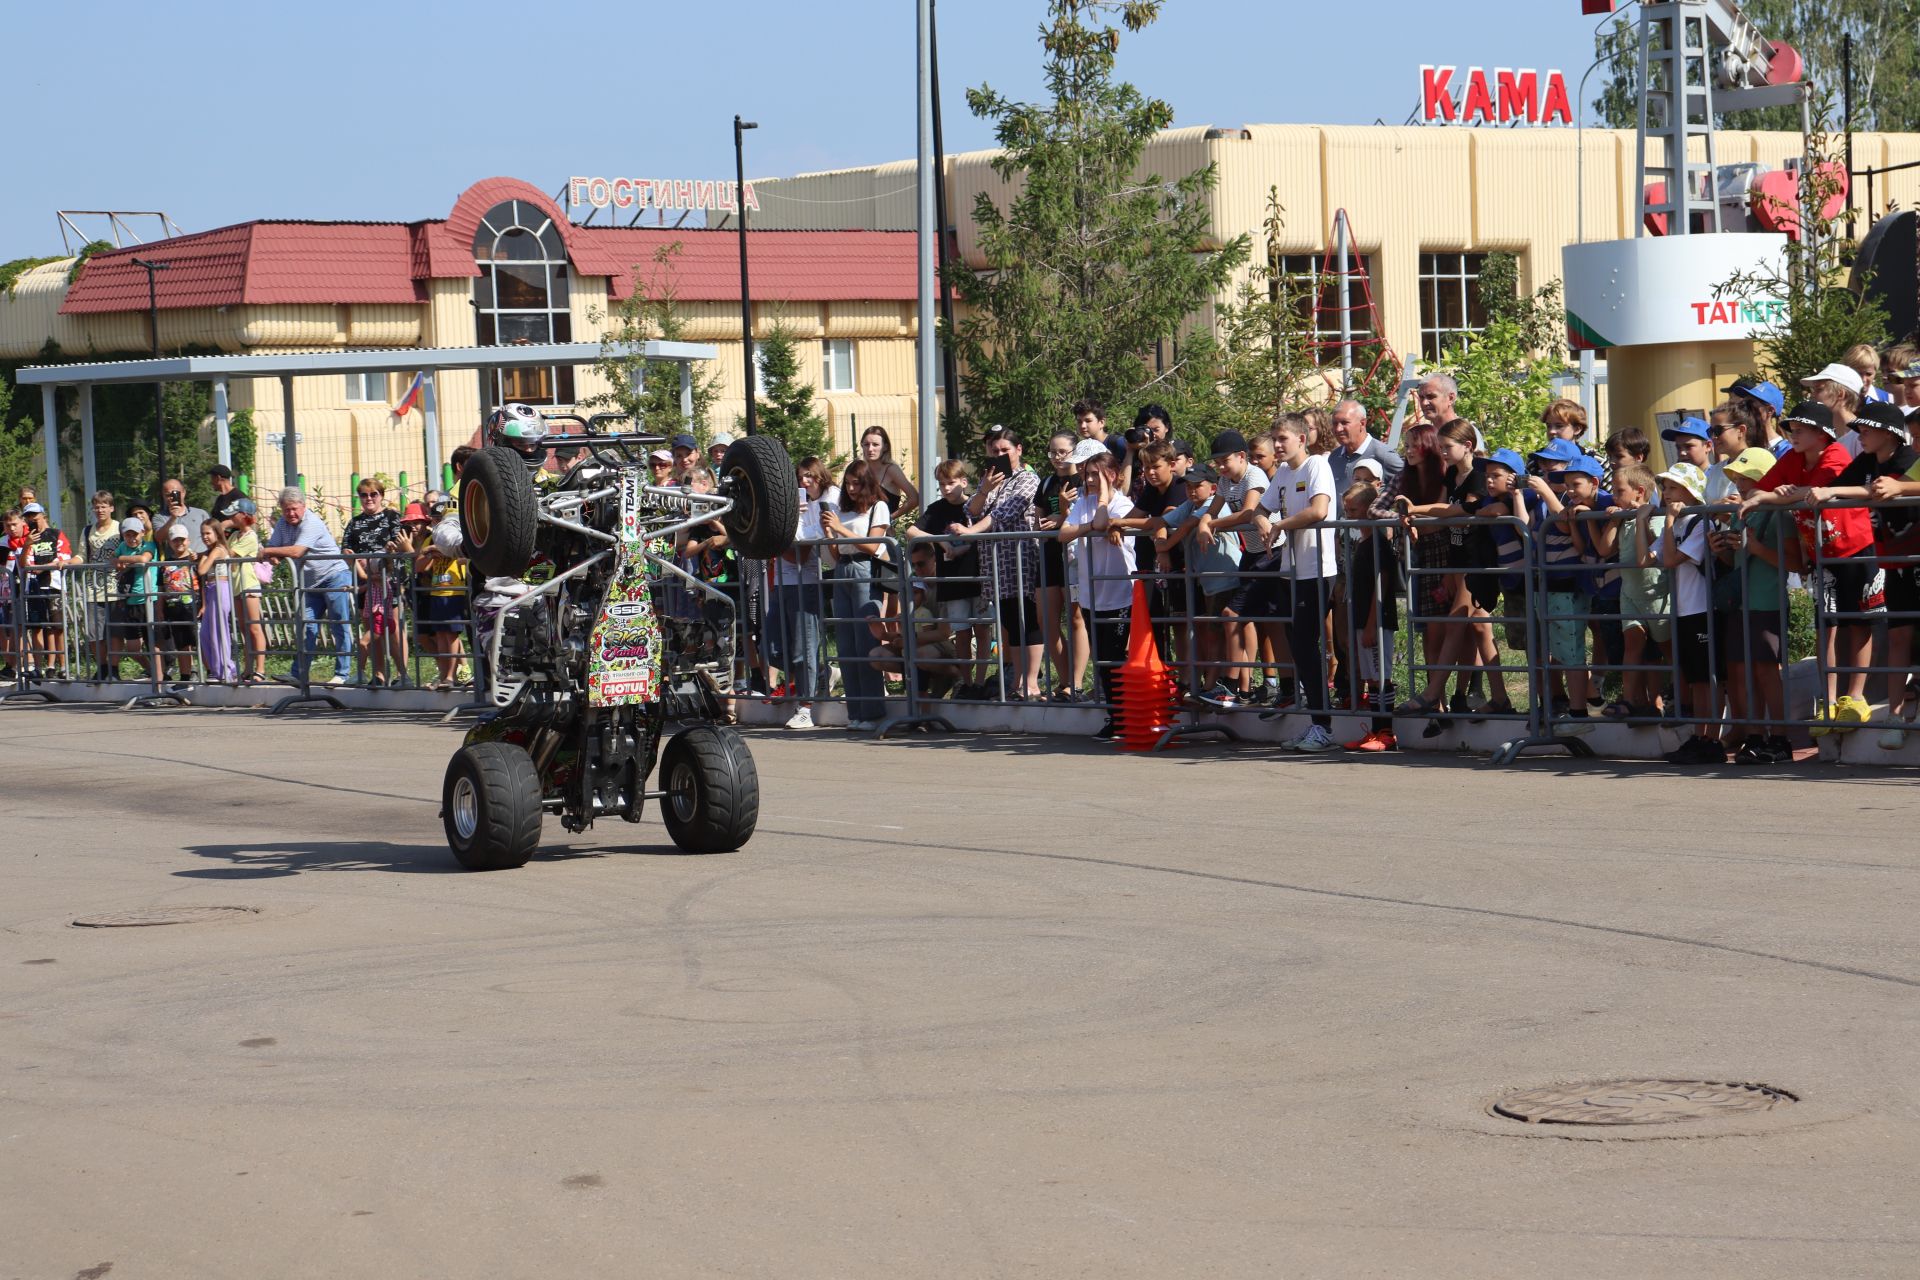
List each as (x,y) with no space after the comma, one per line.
(829,608)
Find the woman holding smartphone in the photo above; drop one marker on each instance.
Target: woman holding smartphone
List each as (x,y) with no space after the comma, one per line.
(860,527)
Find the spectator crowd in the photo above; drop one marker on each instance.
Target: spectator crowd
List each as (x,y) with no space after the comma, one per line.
(1308,569)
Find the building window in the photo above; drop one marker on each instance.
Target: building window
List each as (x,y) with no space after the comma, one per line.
(1450,303)
(366,388)
(759,372)
(522,296)
(1312,282)
(836,365)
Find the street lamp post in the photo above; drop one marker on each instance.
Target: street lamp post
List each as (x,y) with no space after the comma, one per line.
(159,388)
(740,128)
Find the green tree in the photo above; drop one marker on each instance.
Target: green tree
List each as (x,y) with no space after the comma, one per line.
(1092,264)
(650,313)
(1506,371)
(1817,317)
(19,464)
(786,409)
(1886,62)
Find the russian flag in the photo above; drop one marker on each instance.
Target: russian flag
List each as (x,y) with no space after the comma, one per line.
(413,393)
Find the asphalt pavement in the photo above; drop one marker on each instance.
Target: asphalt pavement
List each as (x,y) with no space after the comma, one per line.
(970,1006)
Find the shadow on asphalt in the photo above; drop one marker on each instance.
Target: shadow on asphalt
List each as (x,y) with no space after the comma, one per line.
(1556,765)
(267,861)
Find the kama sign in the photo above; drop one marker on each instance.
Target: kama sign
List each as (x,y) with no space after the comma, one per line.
(1665,289)
(657,193)
(1508,97)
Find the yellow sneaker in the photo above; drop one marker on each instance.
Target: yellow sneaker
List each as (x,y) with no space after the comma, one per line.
(1820,728)
(1851,712)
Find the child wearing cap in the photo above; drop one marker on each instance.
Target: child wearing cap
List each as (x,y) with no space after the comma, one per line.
(1838,544)
(1238,491)
(1567,605)
(1645,603)
(1683,552)
(134,584)
(1753,615)
(1596,538)
(175,637)
(16,537)
(1104,566)
(1887,457)
(1213,568)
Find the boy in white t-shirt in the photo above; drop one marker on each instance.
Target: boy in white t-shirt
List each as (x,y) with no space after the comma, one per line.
(1103,569)
(1299,500)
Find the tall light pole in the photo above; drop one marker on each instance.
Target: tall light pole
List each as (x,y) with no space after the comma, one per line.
(159,388)
(927,446)
(740,128)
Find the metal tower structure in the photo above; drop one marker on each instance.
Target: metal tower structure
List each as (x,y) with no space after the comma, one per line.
(1699,58)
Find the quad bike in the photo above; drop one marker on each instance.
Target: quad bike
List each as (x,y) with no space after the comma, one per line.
(583,670)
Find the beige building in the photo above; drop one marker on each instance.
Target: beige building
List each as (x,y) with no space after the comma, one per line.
(505,266)
(832,258)
(1426,205)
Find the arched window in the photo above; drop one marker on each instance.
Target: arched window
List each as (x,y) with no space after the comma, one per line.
(522,296)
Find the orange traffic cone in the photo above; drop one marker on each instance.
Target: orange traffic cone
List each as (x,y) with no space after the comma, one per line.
(1147,703)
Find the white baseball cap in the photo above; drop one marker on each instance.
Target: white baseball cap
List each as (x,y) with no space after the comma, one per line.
(1839,373)
(177,531)
(131,525)
(720,441)
(1086,451)
(1368,464)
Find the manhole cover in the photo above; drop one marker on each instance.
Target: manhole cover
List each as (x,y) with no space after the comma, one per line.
(1639,1102)
(165,915)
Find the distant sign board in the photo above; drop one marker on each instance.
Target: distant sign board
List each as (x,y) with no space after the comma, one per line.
(658,193)
(1503,96)
(1662,289)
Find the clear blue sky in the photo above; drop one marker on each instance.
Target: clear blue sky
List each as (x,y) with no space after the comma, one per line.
(218,112)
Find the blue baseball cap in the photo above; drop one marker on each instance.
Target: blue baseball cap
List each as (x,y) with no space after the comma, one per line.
(245,507)
(1509,459)
(1696,427)
(684,441)
(1558,450)
(1765,392)
(1583,466)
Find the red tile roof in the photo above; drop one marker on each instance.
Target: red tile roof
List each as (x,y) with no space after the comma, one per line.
(259,263)
(270,263)
(797,266)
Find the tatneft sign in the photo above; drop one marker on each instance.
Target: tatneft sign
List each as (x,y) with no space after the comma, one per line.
(1664,289)
(1505,97)
(658,193)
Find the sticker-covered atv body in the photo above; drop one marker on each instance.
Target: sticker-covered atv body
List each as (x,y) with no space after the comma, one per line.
(585,671)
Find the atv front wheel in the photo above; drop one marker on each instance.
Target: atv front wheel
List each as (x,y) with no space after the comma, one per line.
(498,513)
(758,475)
(490,806)
(712,800)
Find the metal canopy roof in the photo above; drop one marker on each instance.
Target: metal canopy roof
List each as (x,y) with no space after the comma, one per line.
(392,360)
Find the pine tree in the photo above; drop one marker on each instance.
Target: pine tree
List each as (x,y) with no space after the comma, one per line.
(785,409)
(1091,265)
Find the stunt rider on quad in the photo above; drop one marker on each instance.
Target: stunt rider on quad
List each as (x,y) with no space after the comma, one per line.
(586,683)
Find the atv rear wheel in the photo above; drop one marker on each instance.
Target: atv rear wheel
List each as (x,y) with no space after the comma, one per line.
(498,513)
(490,806)
(758,475)
(713,791)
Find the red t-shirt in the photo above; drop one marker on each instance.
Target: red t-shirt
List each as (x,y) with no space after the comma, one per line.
(1838,531)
